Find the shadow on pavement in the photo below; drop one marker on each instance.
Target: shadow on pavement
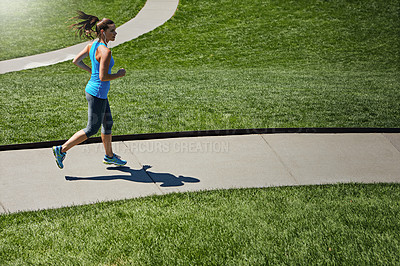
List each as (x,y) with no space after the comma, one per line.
(140,176)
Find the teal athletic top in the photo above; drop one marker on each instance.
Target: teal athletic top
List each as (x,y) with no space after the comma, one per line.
(95,86)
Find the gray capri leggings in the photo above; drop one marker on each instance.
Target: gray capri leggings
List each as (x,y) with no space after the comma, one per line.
(99,113)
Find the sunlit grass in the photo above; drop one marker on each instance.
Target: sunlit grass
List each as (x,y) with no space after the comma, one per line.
(229,64)
(31,27)
(351,224)
(215,65)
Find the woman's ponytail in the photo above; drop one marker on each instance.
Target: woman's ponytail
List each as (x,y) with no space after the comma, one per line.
(85,27)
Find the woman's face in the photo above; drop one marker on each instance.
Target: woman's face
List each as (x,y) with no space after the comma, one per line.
(111,33)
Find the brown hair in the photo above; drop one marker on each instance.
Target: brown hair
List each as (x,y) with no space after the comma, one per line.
(85,27)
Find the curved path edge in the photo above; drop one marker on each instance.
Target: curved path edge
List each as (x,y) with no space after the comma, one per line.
(154,14)
(205,133)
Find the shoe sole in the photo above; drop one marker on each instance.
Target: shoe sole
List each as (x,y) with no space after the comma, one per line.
(117,164)
(55,155)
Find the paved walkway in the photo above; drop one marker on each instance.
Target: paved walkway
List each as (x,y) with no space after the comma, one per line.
(152,15)
(190,164)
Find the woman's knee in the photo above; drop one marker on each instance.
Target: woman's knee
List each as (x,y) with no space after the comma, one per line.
(107,127)
(91,130)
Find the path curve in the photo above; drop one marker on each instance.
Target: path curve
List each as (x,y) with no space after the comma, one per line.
(154,14)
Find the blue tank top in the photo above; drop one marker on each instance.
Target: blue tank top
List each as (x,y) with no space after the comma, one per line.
(95,86)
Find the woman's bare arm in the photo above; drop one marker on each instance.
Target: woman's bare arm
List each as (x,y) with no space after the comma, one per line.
(78,60)
(105,58)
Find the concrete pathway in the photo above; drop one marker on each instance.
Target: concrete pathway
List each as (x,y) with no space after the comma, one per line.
(191,164)
(152,15)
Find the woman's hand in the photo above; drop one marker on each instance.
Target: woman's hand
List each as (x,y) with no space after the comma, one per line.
(121,72)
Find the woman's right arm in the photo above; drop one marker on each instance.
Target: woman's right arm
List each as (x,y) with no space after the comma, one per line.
(78,60)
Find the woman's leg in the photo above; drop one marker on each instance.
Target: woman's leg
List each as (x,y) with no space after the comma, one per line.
(107,142)
(106,136)
(96,111)
(77,138)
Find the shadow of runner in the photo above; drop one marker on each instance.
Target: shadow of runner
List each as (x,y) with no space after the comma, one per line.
(140,176)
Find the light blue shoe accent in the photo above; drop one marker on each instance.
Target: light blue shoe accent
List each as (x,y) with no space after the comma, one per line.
(116,160)
(60,156)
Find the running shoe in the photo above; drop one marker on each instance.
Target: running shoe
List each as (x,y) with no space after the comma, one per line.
(60,156)
(116,160)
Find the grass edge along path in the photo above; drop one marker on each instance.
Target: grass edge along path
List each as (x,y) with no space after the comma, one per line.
(344,224)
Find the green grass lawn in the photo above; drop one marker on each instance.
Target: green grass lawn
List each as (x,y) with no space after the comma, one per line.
(33,27)
(343,224)
(229,64)
(215,65)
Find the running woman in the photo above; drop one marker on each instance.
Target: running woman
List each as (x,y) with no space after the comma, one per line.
(99,113)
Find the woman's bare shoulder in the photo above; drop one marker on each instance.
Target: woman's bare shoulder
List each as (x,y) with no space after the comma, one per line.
(104,50)
(89,45)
